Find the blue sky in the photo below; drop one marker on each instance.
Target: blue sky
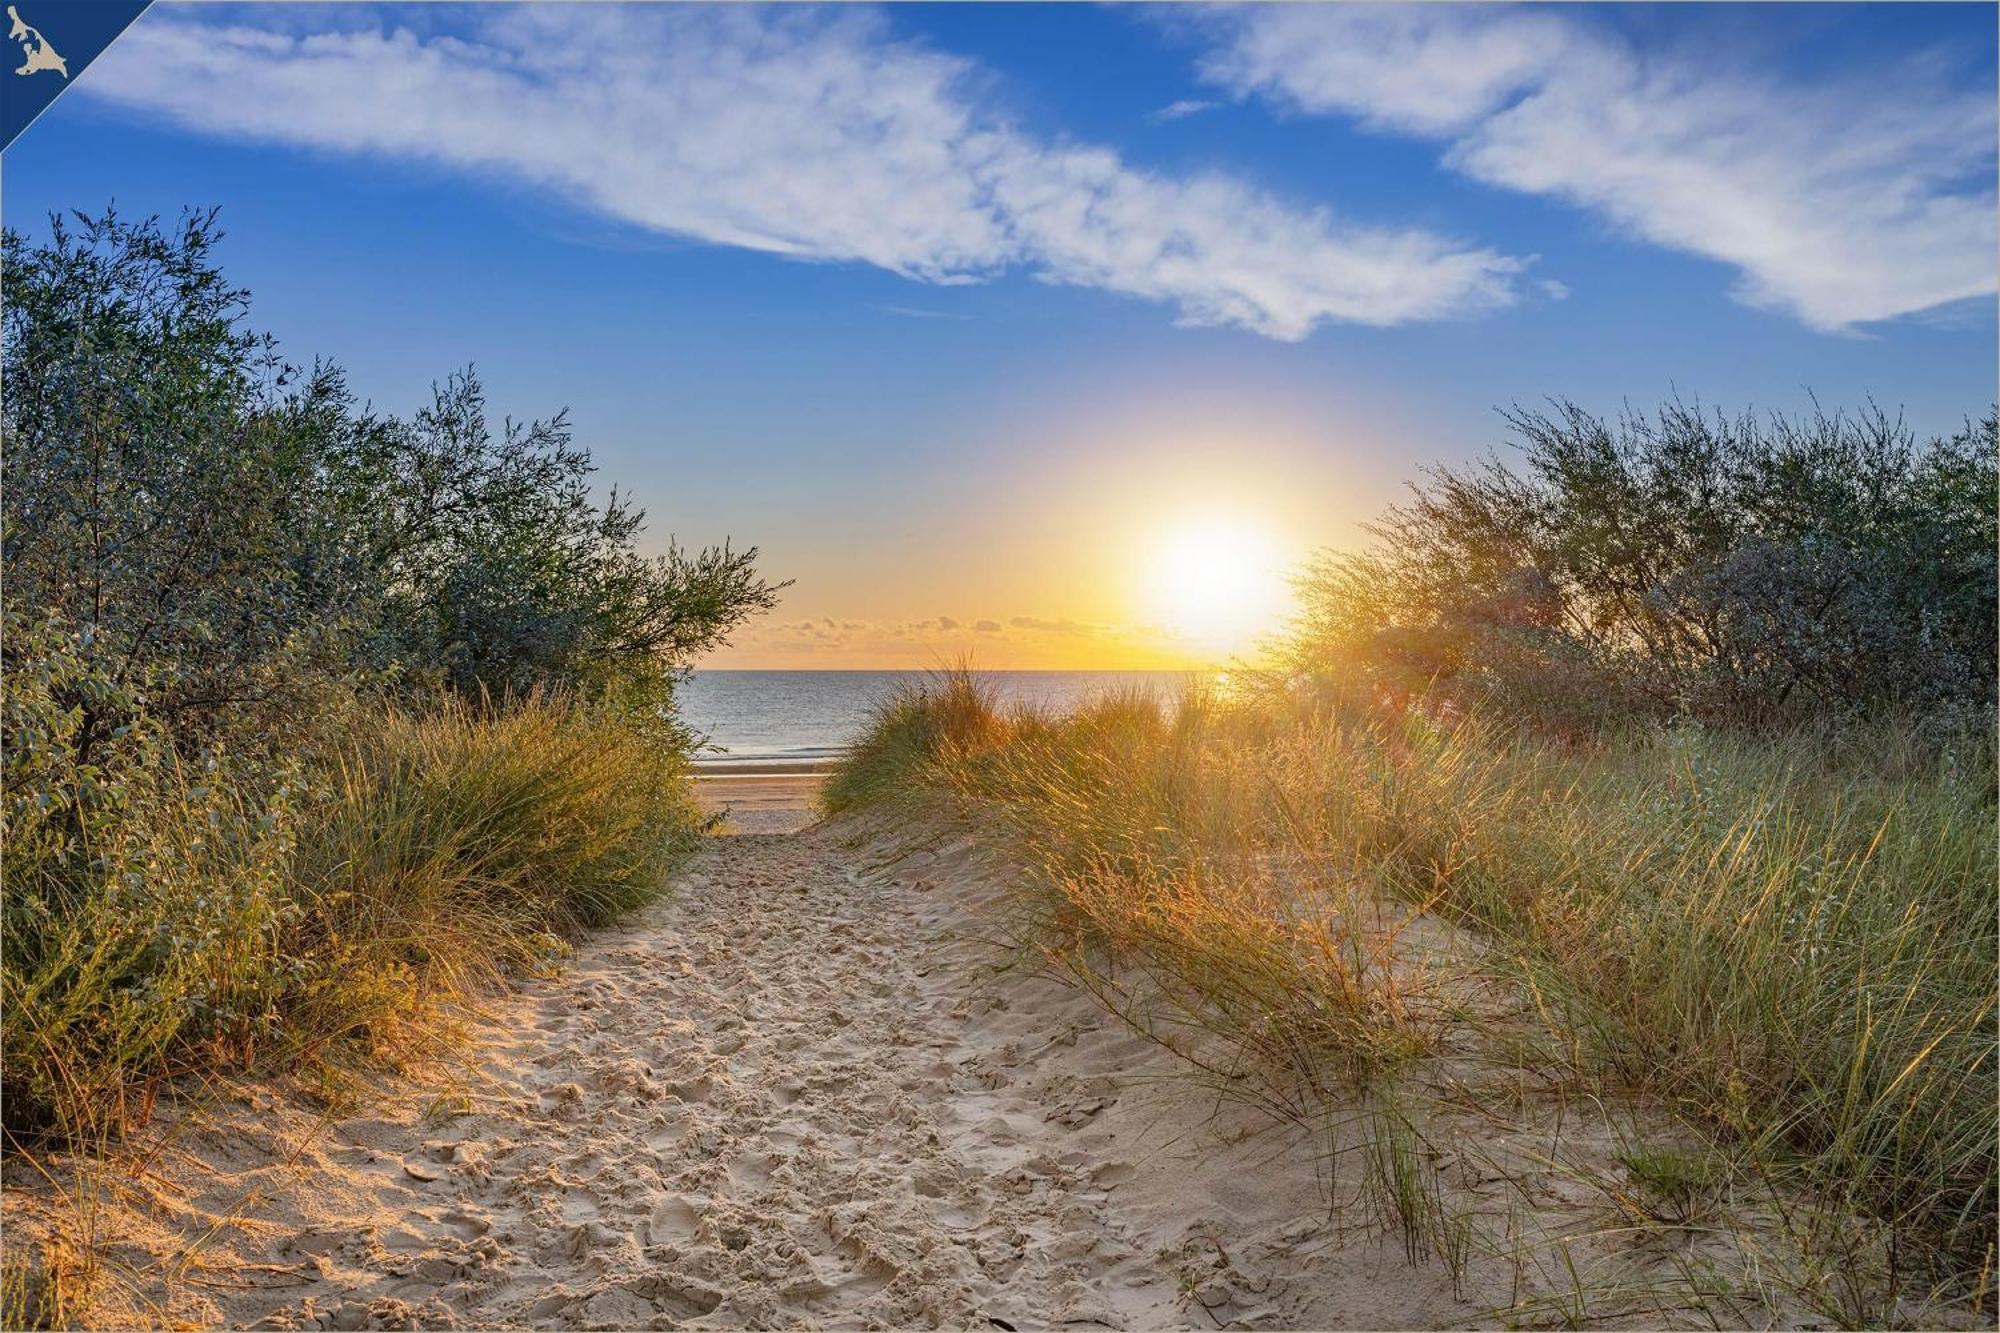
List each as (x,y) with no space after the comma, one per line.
(958,311)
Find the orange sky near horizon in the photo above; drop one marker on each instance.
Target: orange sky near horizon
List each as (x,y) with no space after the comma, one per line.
(1128,540)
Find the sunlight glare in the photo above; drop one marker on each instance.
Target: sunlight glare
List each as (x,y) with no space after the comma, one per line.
(1219,582)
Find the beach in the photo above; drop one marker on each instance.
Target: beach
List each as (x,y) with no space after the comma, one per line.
(769,797)
(981,666)
(836,1079)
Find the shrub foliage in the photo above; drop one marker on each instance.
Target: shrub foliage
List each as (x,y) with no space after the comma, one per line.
(1737,571)
(314,715)
(243,533)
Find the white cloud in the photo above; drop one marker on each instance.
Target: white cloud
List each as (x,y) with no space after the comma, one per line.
(1844,202)
(804,133)
(917,312)
(1185,107)
(1431,69)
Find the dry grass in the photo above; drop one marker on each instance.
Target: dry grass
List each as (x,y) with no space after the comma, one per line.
(188,922)
(212,915)
(1786,941)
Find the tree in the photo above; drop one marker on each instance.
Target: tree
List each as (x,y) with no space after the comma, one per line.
(501,572)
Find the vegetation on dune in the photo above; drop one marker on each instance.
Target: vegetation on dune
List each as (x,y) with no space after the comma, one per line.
(244,535)
(1730,844)
(169,914)
(1737,572)
(315,717)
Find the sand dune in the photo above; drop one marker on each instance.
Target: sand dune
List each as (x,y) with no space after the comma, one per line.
(808,1089)
(796,1093)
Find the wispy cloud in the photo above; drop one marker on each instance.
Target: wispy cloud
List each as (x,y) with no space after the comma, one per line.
(1842,202)
(1185,107)
(914,312)
(1074,628)
(807,133)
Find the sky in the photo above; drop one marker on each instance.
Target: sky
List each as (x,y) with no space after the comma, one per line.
(1055,334)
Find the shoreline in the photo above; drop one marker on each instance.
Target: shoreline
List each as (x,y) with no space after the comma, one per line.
(770,796)
(710,769)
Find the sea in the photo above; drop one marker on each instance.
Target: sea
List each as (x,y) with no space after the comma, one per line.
(762,717)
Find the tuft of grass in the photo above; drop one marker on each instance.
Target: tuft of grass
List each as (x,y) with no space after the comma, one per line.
(1677,1183)
(52,1290)
(949,712)
(1407,1191)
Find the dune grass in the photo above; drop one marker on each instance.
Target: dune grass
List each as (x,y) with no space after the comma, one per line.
(1787,939)
(173,923)
(186,917)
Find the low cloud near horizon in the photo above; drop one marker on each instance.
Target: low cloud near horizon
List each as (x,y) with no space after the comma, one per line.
(816,134)
(932,640)
(1856,198)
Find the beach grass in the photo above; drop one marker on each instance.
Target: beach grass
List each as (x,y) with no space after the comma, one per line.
(190,916)
(1785,939)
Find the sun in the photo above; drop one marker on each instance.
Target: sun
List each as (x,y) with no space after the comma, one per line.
(1218,581)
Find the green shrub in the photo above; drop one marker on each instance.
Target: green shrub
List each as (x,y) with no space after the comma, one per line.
(255,542)
(1739,571)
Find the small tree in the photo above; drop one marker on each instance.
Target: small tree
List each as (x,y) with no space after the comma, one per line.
(164,479)
(501,572)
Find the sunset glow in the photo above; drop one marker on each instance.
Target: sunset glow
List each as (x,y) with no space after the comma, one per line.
(992,362)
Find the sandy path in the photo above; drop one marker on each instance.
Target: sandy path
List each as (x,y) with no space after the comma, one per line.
(798,1092)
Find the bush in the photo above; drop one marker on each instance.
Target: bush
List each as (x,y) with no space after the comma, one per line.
(314,718)
(246,538)
(1736,571)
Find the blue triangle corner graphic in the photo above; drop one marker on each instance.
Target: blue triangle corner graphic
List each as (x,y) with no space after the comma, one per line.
(49,43)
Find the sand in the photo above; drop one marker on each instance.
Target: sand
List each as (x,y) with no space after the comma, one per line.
(807,1089)
(759,798)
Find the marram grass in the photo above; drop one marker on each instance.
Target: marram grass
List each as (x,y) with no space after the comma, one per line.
(214,917)
(1789,940)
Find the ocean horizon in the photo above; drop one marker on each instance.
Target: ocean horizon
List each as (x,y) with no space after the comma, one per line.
(804,716)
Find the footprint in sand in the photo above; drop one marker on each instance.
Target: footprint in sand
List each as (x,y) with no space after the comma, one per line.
(795,1093)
